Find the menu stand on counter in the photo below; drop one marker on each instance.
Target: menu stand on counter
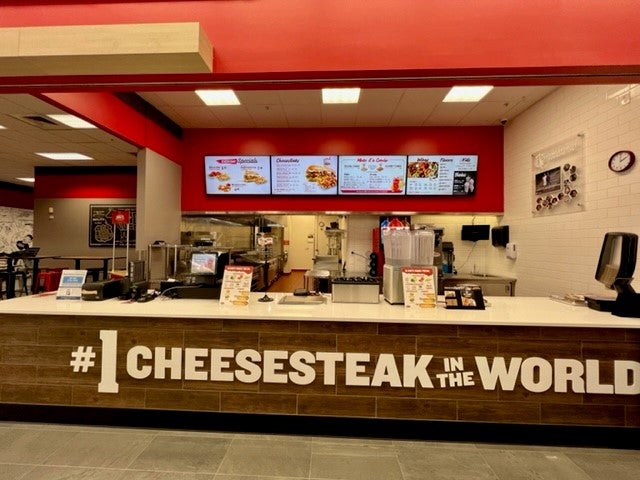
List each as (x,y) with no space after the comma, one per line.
(264,242)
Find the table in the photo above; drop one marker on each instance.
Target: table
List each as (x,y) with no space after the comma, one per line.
(78,259)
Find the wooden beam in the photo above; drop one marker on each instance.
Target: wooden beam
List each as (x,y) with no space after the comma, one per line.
(151,48)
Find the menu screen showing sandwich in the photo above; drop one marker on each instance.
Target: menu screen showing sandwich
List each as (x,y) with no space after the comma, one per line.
(372,174)
(442,174)
(239,175)
(304,175)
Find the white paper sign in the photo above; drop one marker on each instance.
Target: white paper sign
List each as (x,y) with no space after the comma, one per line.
(71,282)
(419,285)
(236,285)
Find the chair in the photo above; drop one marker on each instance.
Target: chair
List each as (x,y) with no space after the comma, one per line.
(6,277)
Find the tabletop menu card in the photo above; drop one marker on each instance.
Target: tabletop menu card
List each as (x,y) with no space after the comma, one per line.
(304,175)
(442,175)
(419,284)
(236,285)
(240,175)
(70,287)
(372,174)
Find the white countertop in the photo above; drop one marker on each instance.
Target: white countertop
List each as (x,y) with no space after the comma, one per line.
(502,311)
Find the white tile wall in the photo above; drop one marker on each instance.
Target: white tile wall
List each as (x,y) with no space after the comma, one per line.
(559,253)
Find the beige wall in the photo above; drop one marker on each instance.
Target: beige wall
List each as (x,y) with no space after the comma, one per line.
(66,230)
(159,200)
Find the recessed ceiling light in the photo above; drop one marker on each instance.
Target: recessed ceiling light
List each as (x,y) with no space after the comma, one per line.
(218,97)
(467,94)
(26,179)
(65,156)
(340,95)
(71,121)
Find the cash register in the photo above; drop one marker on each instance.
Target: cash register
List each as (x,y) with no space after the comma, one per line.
(615,270)
(203,278)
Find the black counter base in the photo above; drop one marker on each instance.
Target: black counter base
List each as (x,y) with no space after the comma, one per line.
(427,430)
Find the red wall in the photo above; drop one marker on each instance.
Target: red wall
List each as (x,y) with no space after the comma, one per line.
(16,196)
(112,115)
(486,142)
(117,182)
(372,38)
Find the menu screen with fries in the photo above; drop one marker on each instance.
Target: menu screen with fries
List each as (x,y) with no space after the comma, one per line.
(442,174)
(239,175)
(304,175)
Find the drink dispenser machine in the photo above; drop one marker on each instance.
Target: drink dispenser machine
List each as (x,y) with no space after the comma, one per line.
(404,248)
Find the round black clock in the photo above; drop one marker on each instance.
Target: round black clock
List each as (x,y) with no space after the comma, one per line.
(621,161)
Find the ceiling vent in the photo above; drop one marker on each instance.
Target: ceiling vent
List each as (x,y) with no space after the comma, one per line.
(42,122)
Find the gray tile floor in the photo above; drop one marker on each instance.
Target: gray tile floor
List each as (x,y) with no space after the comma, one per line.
(51,452)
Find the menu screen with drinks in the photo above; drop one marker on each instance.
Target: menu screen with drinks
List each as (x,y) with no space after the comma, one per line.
(442,174)
(372,174)
(304,175)
(241,175)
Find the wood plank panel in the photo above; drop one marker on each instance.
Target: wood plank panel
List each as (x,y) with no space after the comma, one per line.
(336,406)
(36,394)
(511,412)
(414,408)
(126,397)
(182,400)
(254,403)
(105,49)
(561,414)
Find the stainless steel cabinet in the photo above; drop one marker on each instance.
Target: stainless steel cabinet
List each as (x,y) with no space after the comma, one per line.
(491,285)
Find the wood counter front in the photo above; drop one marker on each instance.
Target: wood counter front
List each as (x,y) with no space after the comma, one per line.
(549,347)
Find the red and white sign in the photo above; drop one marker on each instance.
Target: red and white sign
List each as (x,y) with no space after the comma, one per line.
(120,217)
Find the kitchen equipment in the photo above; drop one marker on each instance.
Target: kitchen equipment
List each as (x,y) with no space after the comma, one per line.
(404,248)
(392,287)
(422,247)
(447,257)
(355,290)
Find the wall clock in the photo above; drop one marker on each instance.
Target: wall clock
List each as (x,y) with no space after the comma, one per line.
(621,161)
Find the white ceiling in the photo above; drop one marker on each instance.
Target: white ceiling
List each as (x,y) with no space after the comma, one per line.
(378,107)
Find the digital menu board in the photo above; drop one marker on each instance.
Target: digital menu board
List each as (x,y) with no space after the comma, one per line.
(239,175)
(371,174)
(304,174)
(442,174)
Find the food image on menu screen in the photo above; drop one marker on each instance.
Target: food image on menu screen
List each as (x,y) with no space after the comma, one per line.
(442,174)
(304,174)
(372,174)
(242,175)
